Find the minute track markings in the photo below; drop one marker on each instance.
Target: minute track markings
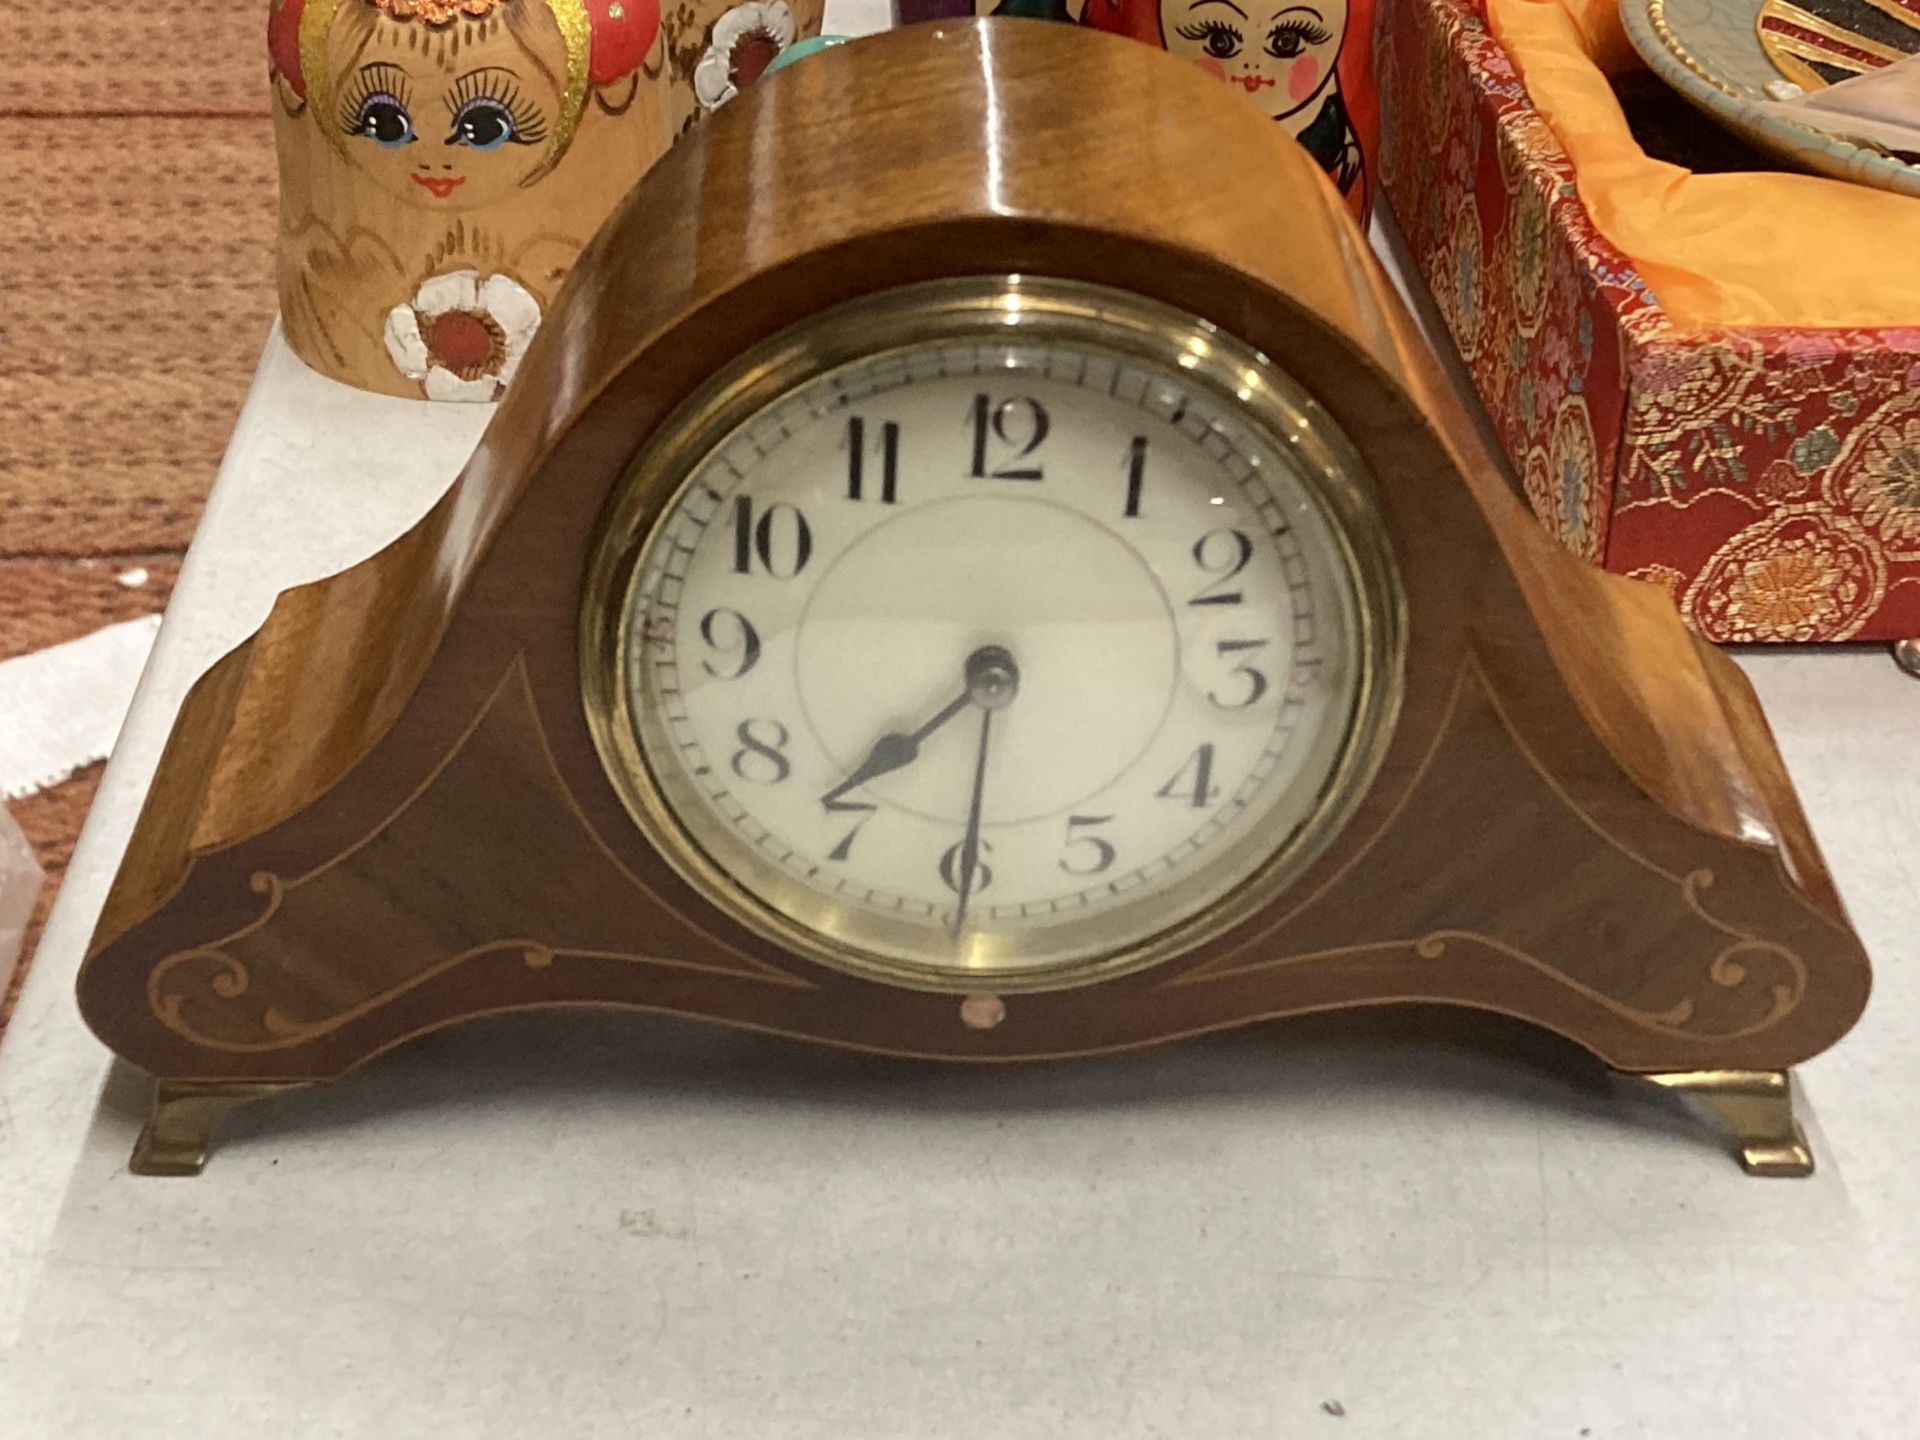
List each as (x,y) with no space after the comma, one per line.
(1209,443)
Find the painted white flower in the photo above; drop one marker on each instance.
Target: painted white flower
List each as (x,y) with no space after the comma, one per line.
(745,40)
(463,337)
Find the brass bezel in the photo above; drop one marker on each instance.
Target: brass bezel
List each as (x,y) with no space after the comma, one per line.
(991,307)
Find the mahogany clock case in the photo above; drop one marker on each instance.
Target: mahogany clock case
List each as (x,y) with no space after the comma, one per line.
(384,812)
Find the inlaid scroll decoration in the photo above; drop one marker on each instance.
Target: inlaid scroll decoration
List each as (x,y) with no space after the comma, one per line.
(465,836)
(1531,881)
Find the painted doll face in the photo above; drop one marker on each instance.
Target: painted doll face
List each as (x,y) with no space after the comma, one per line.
(448,117)
(1281,52)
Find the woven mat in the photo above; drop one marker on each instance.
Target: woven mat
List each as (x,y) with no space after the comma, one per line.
(136,286)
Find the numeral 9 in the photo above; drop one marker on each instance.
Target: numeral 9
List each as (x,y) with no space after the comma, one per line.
(730,633)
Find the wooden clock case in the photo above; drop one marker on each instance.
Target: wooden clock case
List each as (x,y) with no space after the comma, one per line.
(383,813)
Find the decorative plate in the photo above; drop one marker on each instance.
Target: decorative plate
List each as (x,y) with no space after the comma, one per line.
(1722,54)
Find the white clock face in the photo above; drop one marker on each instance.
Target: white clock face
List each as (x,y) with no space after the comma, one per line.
(986,657)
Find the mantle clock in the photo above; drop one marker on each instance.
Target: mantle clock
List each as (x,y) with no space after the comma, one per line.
(969,574)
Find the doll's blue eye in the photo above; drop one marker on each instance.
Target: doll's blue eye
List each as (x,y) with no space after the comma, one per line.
(485,125)
(489,109)
(383,120)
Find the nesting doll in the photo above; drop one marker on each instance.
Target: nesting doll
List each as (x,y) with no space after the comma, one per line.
(442,162)
(1307,63)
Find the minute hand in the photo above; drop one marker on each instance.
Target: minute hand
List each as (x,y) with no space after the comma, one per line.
(970,845)
(895,750)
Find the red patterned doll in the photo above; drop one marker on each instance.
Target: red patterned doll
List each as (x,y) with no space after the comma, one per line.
(1305,62)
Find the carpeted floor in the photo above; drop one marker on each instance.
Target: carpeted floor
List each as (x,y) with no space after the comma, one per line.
(136,285)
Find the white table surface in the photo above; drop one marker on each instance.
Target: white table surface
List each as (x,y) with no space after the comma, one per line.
(576,1225)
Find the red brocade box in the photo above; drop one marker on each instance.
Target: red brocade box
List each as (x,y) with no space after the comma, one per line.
(1768,479)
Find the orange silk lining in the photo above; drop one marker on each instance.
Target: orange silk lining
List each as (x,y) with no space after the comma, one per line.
(1716,250)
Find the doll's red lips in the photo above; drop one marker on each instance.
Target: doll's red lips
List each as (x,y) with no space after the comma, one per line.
(442,186)
(1252,82)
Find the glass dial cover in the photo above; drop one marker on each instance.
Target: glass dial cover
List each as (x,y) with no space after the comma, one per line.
(1002,656)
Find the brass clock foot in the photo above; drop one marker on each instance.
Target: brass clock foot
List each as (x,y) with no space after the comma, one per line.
(185,1114)
(1906,654)
(1756,1108)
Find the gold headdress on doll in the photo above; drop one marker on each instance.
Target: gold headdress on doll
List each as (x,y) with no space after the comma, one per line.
(437,12)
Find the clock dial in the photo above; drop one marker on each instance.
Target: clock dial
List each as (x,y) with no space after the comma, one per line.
(995,654)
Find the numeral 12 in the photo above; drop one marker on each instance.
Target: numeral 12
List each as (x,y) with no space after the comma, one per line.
(1020,424)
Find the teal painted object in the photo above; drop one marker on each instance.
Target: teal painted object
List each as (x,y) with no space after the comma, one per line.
(812,45)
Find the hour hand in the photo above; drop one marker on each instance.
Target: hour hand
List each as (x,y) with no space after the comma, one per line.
(894,751)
